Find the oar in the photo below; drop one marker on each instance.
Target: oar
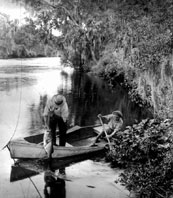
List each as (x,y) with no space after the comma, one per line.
(105,132)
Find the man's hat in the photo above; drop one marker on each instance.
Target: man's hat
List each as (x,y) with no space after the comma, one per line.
(58,99)
(118,113)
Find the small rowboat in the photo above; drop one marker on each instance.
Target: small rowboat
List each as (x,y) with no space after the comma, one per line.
(78,143)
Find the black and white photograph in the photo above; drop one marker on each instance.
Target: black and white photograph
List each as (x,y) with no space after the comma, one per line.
(86,98)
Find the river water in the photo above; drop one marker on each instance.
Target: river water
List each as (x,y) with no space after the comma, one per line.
(25,85)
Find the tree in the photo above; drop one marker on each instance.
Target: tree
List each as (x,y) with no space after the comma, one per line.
(130,38)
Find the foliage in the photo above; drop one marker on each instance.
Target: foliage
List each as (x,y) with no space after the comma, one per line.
(7,29)
(83,26)
(145,150)
(27,40)
(82,32)
(140,48)
(130,41)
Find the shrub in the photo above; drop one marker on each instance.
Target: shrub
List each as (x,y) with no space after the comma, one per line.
(145,151)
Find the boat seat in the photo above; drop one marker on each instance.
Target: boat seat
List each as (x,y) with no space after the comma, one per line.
(98,129)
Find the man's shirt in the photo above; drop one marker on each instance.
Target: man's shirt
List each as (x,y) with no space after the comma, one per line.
(114,124)
(59,110)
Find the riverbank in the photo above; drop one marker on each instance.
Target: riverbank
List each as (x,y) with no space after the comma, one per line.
(144,150)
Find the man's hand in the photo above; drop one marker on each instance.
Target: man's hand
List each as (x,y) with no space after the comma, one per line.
(99,115)
(109,136)
(71,125)
(47,128)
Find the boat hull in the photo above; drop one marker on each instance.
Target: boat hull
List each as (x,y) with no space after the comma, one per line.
(32,147)
(27,151)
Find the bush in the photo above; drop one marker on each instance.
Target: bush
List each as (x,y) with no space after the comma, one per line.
(145,151)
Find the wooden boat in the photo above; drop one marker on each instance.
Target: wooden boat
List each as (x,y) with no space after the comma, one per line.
(78,143)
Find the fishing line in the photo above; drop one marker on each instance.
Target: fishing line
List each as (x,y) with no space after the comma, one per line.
(35,186)
(20,101)
(20,97)
(19,113)
(31,181)
(17,164)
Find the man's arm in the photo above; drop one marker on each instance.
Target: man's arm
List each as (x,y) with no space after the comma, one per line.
(106,118)
(113,133)
(65,112)
(46,122)
(46,115)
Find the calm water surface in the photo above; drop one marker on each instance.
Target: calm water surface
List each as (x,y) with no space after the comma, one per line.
(25,85)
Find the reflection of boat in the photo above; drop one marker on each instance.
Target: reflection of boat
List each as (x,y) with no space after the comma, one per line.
(18,173)
(25,168)
(78,141)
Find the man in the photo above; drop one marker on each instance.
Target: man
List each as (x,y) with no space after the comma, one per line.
(55,114)
(54,186)
(114,124)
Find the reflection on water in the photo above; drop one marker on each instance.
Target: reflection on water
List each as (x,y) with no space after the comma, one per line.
(88,178)
(25,86)
(54,185)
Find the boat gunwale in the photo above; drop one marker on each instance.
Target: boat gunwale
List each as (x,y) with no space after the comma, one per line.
(86,149)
